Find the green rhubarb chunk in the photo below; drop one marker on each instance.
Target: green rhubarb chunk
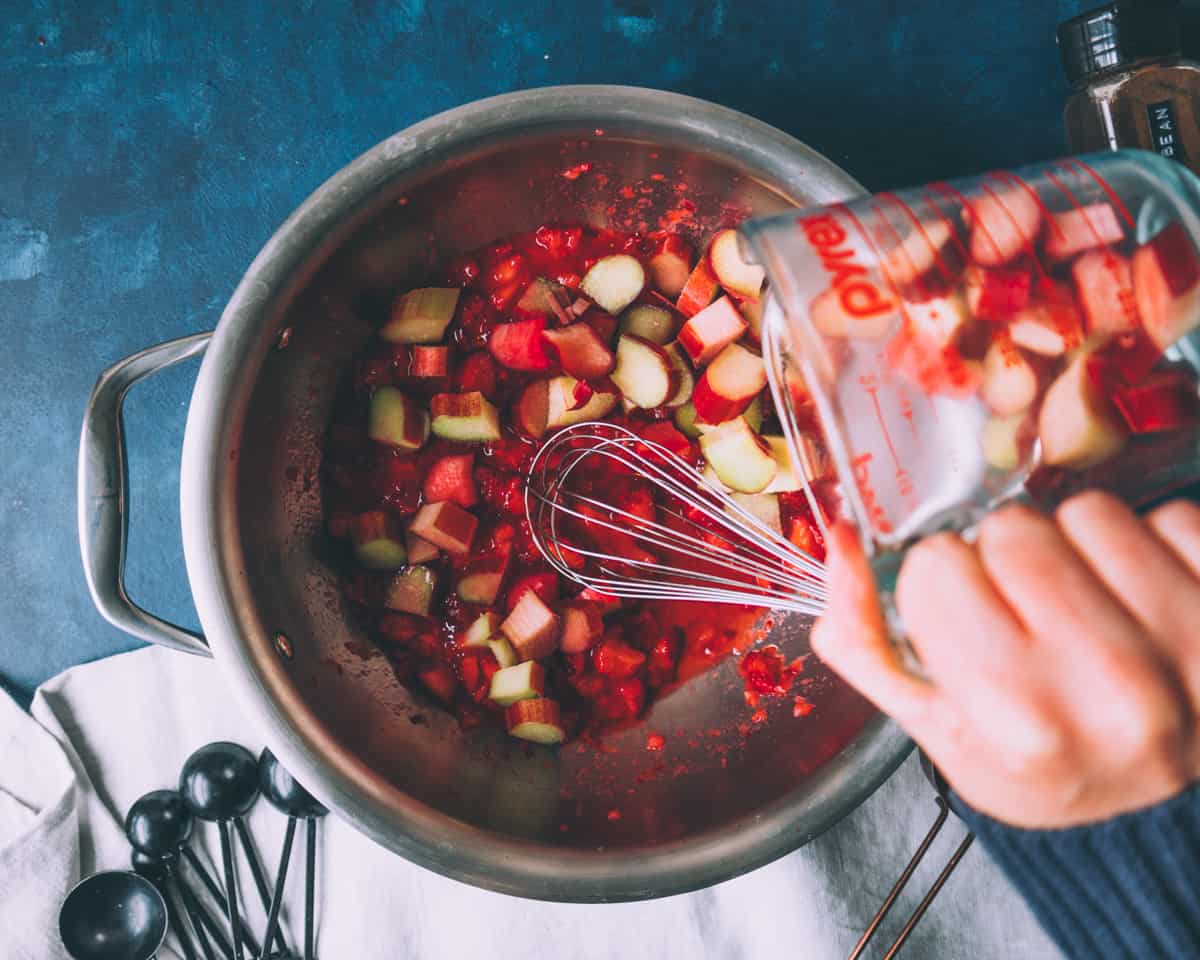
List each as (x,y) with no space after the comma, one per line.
(524,681)
(421,316)
(481,631)
(411,591)
(465,417)
(650,322)
(397,420)
(685,420)
(381,554)
(503,651)
(542,295)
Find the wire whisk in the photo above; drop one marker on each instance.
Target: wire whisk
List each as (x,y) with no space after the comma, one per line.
(690,542)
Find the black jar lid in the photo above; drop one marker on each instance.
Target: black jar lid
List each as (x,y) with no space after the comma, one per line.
(1117,34)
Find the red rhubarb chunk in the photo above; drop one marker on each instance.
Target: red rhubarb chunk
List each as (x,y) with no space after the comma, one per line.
(1167,401)
(520,345)
(452,478)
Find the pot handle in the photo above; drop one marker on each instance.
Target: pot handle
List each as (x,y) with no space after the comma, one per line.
(103,495)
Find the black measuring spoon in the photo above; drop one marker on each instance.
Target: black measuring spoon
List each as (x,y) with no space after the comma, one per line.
(115,915)
(286,795)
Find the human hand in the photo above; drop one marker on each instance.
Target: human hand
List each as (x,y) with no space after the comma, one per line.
(1062,654)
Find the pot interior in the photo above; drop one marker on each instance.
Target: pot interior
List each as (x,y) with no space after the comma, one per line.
(716,766)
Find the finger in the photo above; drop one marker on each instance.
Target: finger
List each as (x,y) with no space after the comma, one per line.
(1049,587)
(852,639)
(973,647)
(1136,564)
(1177,524)
(957,621)
(1088,650)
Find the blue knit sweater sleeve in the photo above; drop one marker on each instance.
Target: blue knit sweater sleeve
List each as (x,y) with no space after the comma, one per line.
(1124,889)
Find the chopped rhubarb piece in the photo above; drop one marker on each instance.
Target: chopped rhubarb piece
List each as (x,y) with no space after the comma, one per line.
(1010,383)
(1129,358)
(538,721)
(467,417)
(685,420)
(545,585)
(670,264)
(700,290)
(502,650)
(446,525)
(563,400)
(1050,327)
(644,373)
(481,631)
(481,583)
(1082,228)
(603,322)
(645,320)
(582,625)
(995,295)
(787,477)
(831,318)
(614,282)
(1003,226)
(926,263)
(751,309)
(726,387)
(543,298)
(1007,441)
(1104,286)
(1168,401)
(523,681)
(421,316)
(520,345)
(428,363)
(739,456)
(532,410)
(1166,279)
(477,373)
(615,658)
(411,591)
(732,272)
(531,628)
(1077,425)
(683,373)
(439,680)
(452,478)
(711,330)
(397,420)
(581,352)
(378,541)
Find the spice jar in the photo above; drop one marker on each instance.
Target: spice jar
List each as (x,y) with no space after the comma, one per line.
(1132,88)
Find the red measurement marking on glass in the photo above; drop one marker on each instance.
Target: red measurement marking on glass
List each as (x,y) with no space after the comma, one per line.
(1025,241)
(955,197)
(1010,179)
(1078,205)
(1109,192)
(920,228)
(871,384)
(893,239)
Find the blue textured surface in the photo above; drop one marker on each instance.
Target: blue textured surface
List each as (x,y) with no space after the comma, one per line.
(147,152)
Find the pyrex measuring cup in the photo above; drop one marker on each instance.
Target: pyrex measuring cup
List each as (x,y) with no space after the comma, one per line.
(1017,335)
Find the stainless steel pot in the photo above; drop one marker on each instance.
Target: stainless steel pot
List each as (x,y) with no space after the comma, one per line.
(584,823)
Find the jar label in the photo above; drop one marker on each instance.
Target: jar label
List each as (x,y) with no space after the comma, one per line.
(1164,131)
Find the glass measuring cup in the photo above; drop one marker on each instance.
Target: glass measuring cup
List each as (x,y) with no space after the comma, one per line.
(1018,335)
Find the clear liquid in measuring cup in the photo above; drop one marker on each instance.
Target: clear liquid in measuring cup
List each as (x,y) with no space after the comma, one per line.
(1018,335)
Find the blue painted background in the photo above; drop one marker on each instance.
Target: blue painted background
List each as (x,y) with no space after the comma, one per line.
(148,151)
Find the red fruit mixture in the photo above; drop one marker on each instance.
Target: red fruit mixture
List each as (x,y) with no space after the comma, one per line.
(436,427)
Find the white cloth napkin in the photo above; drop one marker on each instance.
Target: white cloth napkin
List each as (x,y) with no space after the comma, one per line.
(104,733)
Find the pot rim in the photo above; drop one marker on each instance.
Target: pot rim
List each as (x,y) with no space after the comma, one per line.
(241,643)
